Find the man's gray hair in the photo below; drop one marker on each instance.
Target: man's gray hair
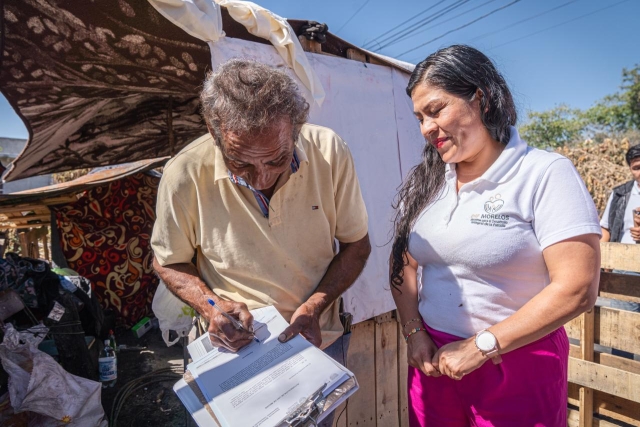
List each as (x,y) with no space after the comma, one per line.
(246,97)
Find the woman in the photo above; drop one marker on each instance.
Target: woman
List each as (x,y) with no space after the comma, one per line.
(507,238)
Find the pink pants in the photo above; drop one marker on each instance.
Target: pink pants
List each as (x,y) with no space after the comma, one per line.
(529,388)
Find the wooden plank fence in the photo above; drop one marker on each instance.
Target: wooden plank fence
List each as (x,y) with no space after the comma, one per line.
(604,390)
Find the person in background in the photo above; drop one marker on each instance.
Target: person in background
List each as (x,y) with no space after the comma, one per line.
(620,223)
(618,219)
(507,237)
(261,200)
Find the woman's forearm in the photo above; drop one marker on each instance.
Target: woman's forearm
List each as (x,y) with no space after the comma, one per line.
(406,297)
(574,270)
(543,314)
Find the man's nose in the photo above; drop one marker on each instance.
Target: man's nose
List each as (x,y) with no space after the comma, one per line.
(260,178)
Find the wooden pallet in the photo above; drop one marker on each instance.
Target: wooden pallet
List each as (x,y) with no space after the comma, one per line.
(606,388)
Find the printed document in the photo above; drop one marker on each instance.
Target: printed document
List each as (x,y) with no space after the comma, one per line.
(263,382)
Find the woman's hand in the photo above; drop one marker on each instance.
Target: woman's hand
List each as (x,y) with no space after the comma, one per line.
(420,352)
(458,358)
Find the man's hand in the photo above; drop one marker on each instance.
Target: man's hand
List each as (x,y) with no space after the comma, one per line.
(458,358)
(420,352)
(306,322)
(635,233)
(222,332)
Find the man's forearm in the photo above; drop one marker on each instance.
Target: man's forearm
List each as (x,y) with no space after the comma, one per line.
(185,283)
(342,272)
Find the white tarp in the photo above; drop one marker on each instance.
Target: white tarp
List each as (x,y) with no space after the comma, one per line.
(202,19)
(367,105)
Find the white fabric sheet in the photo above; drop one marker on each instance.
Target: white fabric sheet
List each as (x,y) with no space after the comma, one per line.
(202,19)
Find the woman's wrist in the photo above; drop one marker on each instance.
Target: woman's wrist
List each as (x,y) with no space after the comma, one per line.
(411,321)
(413,332)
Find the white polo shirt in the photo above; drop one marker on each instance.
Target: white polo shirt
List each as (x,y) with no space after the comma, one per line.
(633,203)
(481,248)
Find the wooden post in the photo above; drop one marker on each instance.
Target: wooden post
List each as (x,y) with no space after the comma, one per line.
(310,45)
(361,411)
(587,337)
(356,55)
(45,244)
(24,244)
(403,371)
(386,360)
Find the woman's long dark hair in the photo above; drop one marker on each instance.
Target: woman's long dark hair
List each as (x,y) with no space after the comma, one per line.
(459,70)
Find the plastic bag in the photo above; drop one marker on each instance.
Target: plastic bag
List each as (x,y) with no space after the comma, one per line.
(40,386)
(172,314)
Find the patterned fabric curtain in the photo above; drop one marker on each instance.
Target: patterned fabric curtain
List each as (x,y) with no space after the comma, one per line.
(105,237)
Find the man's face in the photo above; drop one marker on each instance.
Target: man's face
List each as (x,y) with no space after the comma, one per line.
(635,169)
(260,159)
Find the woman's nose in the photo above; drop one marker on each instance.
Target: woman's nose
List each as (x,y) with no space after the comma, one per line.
(428,127)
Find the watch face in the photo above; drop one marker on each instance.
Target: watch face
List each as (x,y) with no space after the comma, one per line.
(486,341)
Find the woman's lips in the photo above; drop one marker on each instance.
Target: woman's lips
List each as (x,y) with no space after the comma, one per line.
(439,142)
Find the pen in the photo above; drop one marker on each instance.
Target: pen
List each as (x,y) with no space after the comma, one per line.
(235,322)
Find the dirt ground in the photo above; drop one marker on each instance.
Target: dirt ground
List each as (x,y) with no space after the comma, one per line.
(154,405)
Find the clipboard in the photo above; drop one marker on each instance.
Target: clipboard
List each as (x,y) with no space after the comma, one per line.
(195,390)
(309,413)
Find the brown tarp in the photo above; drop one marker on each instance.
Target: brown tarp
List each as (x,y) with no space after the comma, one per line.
(104,82)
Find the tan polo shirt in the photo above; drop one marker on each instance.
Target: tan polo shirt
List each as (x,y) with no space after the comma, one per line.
(246,257)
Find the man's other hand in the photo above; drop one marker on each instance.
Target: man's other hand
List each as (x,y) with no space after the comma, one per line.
(305,322)
(223,333)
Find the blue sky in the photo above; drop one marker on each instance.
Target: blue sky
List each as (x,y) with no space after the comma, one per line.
(571,61)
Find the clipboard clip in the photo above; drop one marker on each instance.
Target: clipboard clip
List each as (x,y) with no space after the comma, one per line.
(307,413)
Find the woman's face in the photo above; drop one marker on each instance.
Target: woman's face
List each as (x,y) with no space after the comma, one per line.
(450,123)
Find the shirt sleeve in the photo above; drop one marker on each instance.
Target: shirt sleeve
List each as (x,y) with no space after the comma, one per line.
(174,239)
(562,206)
(351,213)
(604,222)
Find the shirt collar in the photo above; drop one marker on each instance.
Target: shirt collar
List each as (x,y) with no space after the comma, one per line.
(221,171)
(635,190)
(505,165)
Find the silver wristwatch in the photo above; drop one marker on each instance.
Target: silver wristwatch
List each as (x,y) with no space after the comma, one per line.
(488,345)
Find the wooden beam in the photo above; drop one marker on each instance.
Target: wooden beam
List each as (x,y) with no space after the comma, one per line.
(607,405)
(586,353)
(361,410)
(618,329)
(607,359)
(624,287)
(620,256)
(45,244)
(604,378)
(573,420)
(356,55)
(613,328)
(14,226)
(403,371)
(386,353)
(310,45)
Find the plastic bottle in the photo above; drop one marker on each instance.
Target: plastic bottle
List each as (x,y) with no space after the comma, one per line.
(108,366)
(112,341)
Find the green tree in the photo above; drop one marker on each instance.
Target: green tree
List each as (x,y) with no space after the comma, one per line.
(553,128)
(614,114)
(619,112)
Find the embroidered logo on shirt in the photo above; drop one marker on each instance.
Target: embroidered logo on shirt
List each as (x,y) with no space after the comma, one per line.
(494,204)
(491,218)
(314,208)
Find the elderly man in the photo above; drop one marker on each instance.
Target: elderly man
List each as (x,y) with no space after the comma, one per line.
(260,202)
